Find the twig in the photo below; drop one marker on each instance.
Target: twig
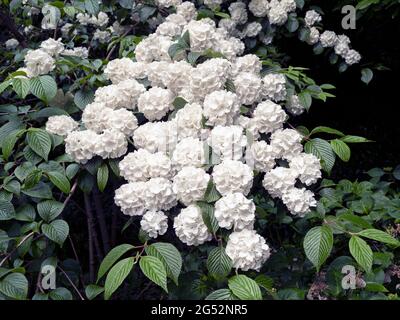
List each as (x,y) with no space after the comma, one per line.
(115,45)
(22,241)
(98,204)
(71,282)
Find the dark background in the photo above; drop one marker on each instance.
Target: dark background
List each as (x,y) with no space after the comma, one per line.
(370,110)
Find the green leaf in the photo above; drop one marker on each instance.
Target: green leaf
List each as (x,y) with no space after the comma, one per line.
(15,286)
(341,149)
(361,252)
(92,7)
(83,97)
(111,258)
(354,139)
(221,294)
(9,142)
(305,99)
(326,130)
(323,151)
(43,87)
(363,4)
(218,262)
(56,231)
(117,275)
(92,291)
(169,256)
(4,85)
(211,194)
(380,236)
(60,181)
(39,141)
(60,294)
(49,209)
(40,190)
(179,103)
(375,287)
(244,288)
(318,244)
(154,269)
(21,86)
(7,211)
(366,75)
(102,177)
(207,211)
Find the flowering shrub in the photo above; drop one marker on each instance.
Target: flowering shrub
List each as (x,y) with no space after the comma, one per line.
(176,115)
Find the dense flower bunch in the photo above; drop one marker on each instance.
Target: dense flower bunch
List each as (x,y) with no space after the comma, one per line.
(181,151)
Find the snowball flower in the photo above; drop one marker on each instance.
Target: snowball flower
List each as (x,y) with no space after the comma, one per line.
(235,210)
(200,34)
(328,39)
(352,57)
(111,144)
(238,12)
(261,156)
(247,87)
(122,120)
(95,116)
(130,198)
(118,70)
(312,17)
(186,10)
(190,227)
(159,195)
(189,152)
(252,29)
(190,184)
(259,8)
(294,106)
(314,35)
(247,250)
(154,223)
(80,145)
(188,121)
(154,136)
(274,87)
(221,107)
(286,143)
(279,180)
(299,201)
(232,176)
(277,13)
(247,63)
(61,125)
(269,116)
(155,103)
(307,166)
(11,44)
(52,47)
(38,62)
(227,142)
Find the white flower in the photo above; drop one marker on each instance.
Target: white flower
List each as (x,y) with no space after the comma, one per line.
(269,116)
(102,35)
(83,18)
(80,52)
(288,5)
(65,29)
(312,17)
(134,166)
(238,12)
(200,34)
(307,166)
(232,176)
(258,7)
(190,184)
(342,45)
(189,152)
(190,227)
(261,156)
(235,210)
(130,198)
(118,70)
(286,143)
(52,47)
(247,63)
(153,48)
(95,116)
(159,194)
(277,13)
(157,72)
(188,121)
(221,107)
(279,180)
(61,125)
(294,106)
(252,29)
(11,44)
(177,76)
(352,57)
(328,39)
(38,62)
(155,103)
(102,19)
(122,120)
(247,249)
(167,3)
(274,86)
(168,28)
(228,142)
(154,223)
(111,144)
(213,4)
(247,87)
(80,145)
(299,201)
(153,136)
(186,10)
(313,37)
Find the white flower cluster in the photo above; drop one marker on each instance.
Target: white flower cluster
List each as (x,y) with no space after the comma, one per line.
(171,163)
(329,39)
(276,10)
(42,61)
